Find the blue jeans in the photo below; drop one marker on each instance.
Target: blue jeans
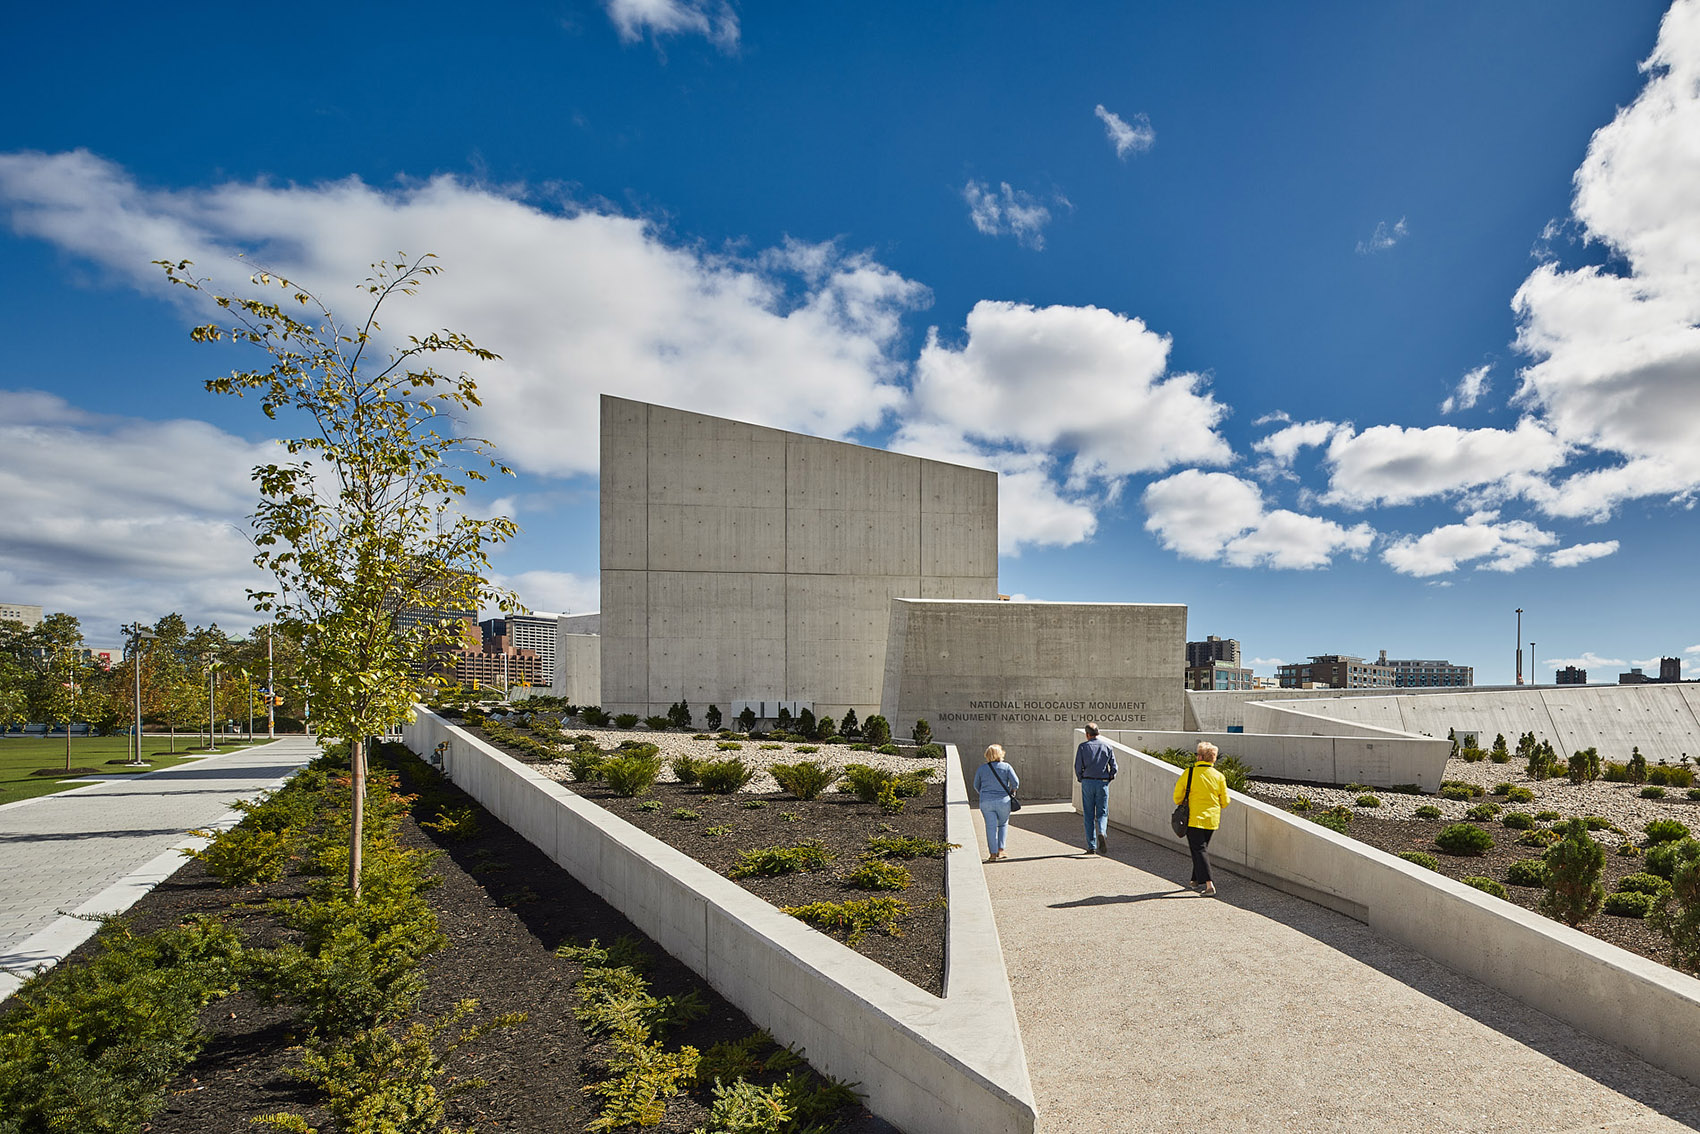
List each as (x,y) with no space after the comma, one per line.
(1095,809)
(997,823)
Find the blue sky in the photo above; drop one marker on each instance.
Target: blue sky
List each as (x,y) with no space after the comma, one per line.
(1353,327)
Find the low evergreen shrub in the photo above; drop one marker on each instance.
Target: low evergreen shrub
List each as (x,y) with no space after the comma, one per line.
(686,768)
(753,804)
(855,918)
(1502,788)
(1596,823)
(586,767)
(1335,818)
(1615,773)
(1519,821)
(1574,865)
(1664,858)
(1628,849)
(631,776)
(1643,884)
(1629,904)
(684,815)
(1367,800)
(929,752)
(876,731)
(626,720)
(658,724)
(1694,793)
(724,776)
(1671,775)
(1677,919)
(1519,795)
(1421,858)
(874,874)
(805,779)
(1300,803)
(1482,812)
(729,746)
(922,733)
(889,749)
(1539,837)
(650,805)
(906,846)
(243,856)
(1665,831)
(1428,811)
(594,716)
(1527,872)
(1547,816)
(1487,886)
(1463,839)
(1459,791)
(765,862)
(1652,792)
(457,823)
(716,832)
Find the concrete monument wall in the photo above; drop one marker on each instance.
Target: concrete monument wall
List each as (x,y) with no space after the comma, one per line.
(1026,674)
(578,668)
(740,562)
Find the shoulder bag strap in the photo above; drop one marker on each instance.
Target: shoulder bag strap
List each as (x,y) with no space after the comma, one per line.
(1187,798)
(1007,789)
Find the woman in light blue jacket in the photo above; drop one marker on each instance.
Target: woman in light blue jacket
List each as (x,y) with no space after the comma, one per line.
(995,782)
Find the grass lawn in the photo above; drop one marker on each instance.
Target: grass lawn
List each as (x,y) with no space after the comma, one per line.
(19,757)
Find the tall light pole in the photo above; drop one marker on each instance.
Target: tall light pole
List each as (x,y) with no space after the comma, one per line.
(137,637)
(1520,646)
(212,734)
(271,689)
(1532,680)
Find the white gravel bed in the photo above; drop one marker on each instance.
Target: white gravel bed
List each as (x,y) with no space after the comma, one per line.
(1620,804)
(758,754)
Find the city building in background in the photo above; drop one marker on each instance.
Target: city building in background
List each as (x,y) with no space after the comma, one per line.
(499,669)
(1218,675)
(1335,671)
(1212,650)
(1425,674)
(1670,673)
(1571,675)
(29,615)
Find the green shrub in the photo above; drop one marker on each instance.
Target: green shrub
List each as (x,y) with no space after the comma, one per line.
(1694,793)
(1367,800)
(1482,812)
(1665,831)
(1539,837)
(1335,818)
(1407,789)
(1664,858)
(1677,918)
(1470,754)
(1629,904)
(790,817)
(888,749)
(1574,865)
(1628,849)
(1652,792)
(805,779)
(861,747)
(876,875)
(930,752)
(684,814)
(807,749)
(1637,767)
(243,856)
(906,846)
(712,718)
(1596,823)
(658,724)
(922,733)
(631,776)
(594,716)
(1487,886)
(716,832)
(753,804)
(1643,884)
(625,720)
(746,719)
(89,1048)
(1463,839)
(1428,811)
(459,824)
(649,805)
(1519,821)
(1615,773)
(765,862)
(1502,789)
(877,731)
(586,766)
(855,918)
(1527,872)
(679,716)
(724,776)
(686,768)
(1547,816)
(1300,803)
(1671,775)
(1519,795)
(1459,791)
(1421,858)
(729,746)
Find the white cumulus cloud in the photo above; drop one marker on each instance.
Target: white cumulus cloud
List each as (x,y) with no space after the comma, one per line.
(1500,545)
(1384,237)
(1127,137)
(1393,464)
(1212,515)
(1470,389)
(1007,212)
(714,20)
(1582,553)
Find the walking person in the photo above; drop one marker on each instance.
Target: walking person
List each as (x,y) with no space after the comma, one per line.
(1208,796)
(995,782)
(1094,768)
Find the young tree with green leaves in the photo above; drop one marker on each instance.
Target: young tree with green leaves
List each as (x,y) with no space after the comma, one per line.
(362,522)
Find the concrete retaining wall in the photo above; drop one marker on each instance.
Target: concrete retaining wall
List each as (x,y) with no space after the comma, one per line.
(928,1065)
(1373,757)
(1607,992)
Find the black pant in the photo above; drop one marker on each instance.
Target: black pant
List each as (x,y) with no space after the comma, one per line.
(1197,838)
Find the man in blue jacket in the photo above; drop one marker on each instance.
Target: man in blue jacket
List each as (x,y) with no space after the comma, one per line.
(1094,768)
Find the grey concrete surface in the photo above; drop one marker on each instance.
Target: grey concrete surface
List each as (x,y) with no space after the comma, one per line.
(929,1065)
(81,850)
(1145,1007)
(1326,752)
(1025,674)
(741,562)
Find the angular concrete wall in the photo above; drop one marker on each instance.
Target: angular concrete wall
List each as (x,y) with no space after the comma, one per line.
(1373,757)
(1662,720)
(926,1064)
(1025,674)
(746,562)
(578,668)
(1607,992)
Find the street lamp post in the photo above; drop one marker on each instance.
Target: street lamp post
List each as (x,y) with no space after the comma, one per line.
(137,636)
(271,690)
(1532,680)
(1520,647)
(212,721)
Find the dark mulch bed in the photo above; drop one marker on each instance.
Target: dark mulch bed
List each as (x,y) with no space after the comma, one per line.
(504,908)
(841,823)
(1393,836)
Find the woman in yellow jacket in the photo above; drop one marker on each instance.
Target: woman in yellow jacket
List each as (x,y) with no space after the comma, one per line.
(1204,813)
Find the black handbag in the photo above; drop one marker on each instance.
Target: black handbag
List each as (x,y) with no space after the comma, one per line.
(1014,803)
(1183,809)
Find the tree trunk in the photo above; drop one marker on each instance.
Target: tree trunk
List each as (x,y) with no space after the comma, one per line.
(357,774)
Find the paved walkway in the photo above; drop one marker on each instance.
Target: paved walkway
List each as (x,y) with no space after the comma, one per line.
(1146,1007)
(86,850)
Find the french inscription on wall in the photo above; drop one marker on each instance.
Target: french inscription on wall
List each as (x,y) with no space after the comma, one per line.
(1024,711)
